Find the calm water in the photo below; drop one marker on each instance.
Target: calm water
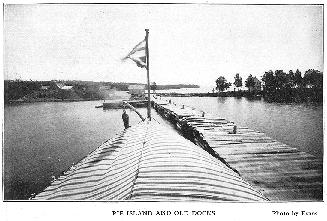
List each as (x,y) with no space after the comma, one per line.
(298,125)
(43,139)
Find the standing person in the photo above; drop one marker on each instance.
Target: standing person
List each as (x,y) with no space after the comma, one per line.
(125,118)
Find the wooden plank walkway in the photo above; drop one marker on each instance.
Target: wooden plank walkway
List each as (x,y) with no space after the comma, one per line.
(280,172)
(148,162)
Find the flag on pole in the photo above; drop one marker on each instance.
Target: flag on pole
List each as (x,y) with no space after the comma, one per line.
(137,54)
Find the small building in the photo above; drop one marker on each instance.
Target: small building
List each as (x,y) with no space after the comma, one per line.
(63,86)
(66,87)
(104,88)
(45,87)
(59,85)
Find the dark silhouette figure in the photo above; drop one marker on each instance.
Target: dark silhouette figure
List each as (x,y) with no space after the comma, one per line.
(125,118)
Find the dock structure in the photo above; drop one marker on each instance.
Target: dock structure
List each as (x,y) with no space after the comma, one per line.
(119,104)
(280,172)
(148,162)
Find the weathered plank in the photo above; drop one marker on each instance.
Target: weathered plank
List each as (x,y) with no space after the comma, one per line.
(281,172)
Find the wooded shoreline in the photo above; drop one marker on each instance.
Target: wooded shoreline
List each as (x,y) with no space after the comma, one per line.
(292,96)
(18,91)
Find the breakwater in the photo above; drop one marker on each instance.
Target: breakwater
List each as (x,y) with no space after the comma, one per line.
(280,172)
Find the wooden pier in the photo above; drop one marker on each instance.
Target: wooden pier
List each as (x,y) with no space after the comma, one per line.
(219,161)
(149,162)
(280,172)
(119,104)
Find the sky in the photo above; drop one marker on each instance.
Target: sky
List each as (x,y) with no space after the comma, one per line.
(193,43)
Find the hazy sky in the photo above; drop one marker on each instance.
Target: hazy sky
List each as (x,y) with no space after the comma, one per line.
(188,43)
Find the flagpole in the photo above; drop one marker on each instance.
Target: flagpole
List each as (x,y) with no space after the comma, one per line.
(147,70)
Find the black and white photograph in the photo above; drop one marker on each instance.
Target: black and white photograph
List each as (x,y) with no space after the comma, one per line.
(152,102)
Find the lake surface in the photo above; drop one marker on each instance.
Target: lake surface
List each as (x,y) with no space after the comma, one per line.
(43,139)
(298,125)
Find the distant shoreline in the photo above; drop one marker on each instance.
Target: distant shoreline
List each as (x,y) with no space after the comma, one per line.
(171,94)
(237,94)
(17,91)
(19,101)
(257,95)
(210,94)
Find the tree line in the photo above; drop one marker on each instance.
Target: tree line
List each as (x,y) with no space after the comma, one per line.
(278,86)
(32,90)
(81,90)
